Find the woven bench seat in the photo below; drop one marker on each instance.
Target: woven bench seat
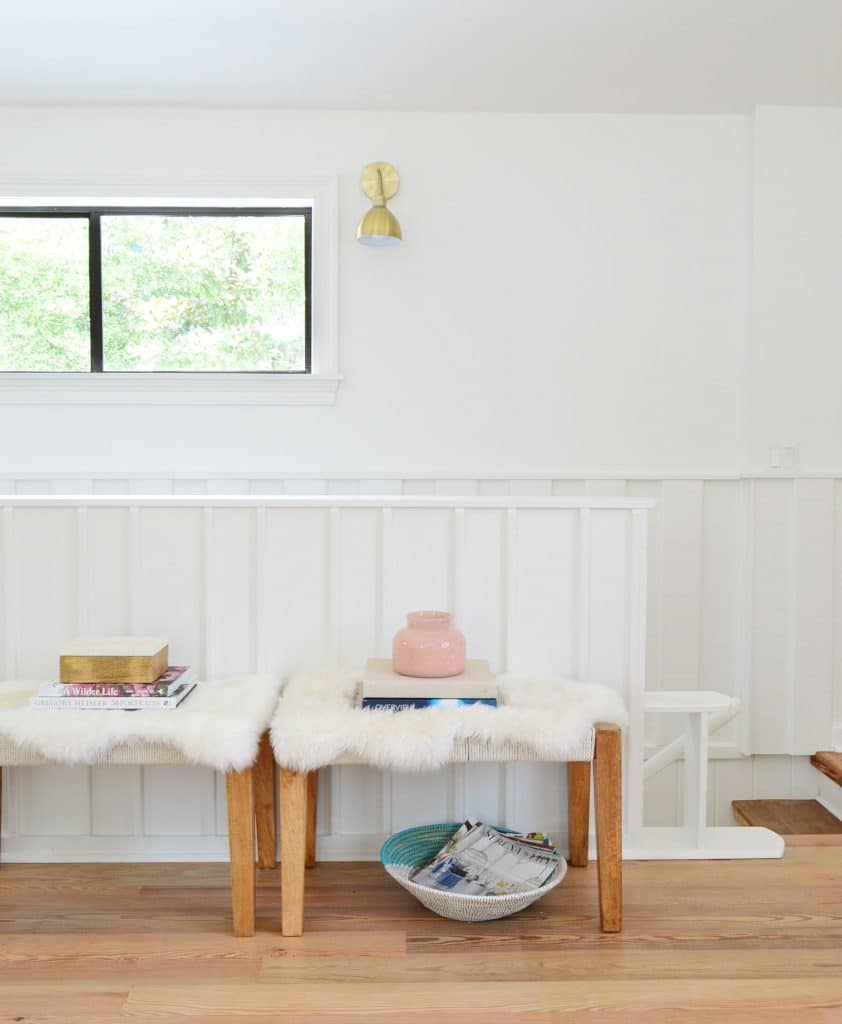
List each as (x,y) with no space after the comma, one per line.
(473,750)
(137,753)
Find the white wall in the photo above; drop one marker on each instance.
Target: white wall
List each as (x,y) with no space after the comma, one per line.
(571,294)
(796,355)
(669,288)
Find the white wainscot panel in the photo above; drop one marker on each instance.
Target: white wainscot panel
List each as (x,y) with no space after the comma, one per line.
(104,571)
(293,589)
(355,581)
(229,592)
(191,814)
(416,564)
(721,572)
(167,568)
(479,601)
(420,799)
(679,594)
(604,600)
(772,607)
(812,681)
(542,570)
(55,800)
(358,808)
(661,797)
(483,792)
(536,797)
(42,588)
(745,585)
(117,800)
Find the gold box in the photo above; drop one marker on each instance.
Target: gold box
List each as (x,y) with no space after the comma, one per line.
(114,659)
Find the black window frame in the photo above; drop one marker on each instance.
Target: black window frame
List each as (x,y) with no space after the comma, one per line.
(93,215)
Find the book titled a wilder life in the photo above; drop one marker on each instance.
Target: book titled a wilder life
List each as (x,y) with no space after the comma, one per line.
(383,689)
(165,694)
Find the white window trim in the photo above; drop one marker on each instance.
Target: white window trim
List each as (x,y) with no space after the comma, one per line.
(318,387)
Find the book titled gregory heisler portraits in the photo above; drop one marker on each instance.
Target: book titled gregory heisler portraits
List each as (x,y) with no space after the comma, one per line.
(48,703)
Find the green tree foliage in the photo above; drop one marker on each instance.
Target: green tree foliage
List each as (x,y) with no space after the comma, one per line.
(179,293)
(44,309)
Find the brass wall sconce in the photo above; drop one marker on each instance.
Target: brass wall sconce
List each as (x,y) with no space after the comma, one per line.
(379,226)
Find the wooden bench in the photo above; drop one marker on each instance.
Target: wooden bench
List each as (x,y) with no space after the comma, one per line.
(299,794)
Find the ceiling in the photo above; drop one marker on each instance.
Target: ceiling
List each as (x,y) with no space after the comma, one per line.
(646,56)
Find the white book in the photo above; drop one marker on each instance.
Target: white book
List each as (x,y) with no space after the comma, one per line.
(112,703)
(380,680)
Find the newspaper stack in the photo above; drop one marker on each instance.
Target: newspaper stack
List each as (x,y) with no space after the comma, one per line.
(480,861)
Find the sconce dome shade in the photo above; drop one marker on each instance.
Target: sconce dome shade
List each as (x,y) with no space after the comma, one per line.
(379,227)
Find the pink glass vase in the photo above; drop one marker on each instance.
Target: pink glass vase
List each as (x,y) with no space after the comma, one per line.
(429,646)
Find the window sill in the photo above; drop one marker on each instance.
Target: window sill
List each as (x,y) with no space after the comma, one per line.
(167,389)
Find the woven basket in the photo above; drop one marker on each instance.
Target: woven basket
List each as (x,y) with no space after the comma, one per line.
(414,847)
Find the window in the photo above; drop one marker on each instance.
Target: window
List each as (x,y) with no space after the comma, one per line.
(149,289)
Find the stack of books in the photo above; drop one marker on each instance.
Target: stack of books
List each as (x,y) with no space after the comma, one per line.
(386,690)
(127,673)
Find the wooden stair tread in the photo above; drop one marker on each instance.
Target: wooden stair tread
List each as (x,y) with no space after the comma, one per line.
(829,763)
(787,817)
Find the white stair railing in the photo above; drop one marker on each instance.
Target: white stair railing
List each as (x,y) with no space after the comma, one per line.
(705,711)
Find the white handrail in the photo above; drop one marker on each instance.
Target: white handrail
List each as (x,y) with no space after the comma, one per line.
(420,501)
(674,750)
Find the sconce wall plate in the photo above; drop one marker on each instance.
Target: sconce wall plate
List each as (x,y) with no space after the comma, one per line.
(376,173)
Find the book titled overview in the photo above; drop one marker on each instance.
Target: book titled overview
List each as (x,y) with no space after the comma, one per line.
(384,689)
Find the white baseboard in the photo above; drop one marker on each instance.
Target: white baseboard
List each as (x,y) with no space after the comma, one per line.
(151,849)
(111,849)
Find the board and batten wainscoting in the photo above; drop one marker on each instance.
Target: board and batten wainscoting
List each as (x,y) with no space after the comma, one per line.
(742,586)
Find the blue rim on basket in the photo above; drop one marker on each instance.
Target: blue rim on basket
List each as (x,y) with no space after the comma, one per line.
(415,847)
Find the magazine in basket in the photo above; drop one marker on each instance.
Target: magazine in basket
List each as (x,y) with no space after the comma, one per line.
(479,860)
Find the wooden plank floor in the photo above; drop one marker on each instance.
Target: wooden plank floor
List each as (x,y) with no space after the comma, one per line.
(739,942)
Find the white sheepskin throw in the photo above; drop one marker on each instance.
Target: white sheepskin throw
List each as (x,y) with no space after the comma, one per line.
(218,726)
(318,721)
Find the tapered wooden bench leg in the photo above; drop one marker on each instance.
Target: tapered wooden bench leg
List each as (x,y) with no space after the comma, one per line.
(609,826)
(578,810)
(264,802)
(312,812)
(293,850)
(240,790)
